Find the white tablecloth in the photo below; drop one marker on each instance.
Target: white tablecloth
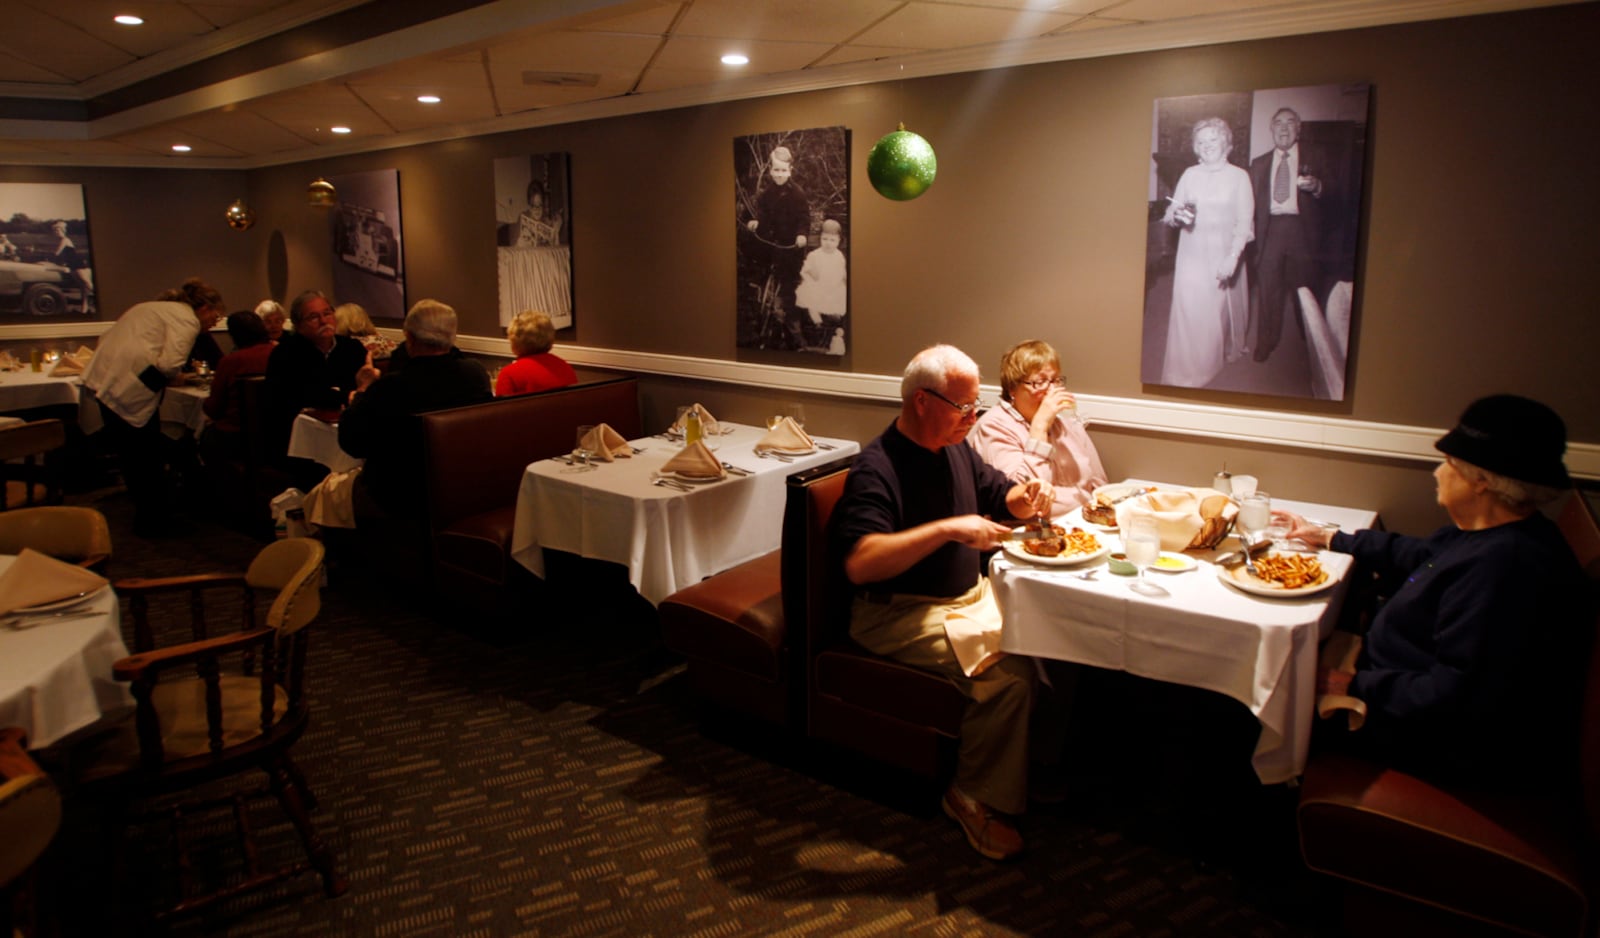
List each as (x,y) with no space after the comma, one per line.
(667,539)
(182,411)
(1261,652)
(55,677)
(26,389)
(318,440)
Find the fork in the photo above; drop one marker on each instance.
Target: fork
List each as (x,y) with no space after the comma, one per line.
(667,483)
(769,454)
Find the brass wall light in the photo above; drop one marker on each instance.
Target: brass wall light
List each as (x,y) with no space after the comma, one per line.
(321,193)
(240,216)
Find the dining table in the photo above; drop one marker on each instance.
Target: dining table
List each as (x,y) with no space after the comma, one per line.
(55,667)
(25,389)
(667,536)
(311,437)
(1198,630)
(182,411)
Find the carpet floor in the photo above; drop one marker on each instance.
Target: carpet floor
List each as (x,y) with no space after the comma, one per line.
(549,774)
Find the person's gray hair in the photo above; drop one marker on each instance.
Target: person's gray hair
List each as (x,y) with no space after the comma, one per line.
(1517,495)
(431,324)
(531,333)
(297,309)
(932,367)
(266,307)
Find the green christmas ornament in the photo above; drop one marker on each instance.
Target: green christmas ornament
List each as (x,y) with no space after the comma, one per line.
(901,165)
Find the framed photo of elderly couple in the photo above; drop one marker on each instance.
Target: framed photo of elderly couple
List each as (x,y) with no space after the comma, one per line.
(1252,223)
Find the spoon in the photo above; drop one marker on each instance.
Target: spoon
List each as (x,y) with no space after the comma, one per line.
(737,470)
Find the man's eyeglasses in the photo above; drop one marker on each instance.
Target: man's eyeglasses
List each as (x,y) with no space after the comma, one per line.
(1041,384)
(965,410)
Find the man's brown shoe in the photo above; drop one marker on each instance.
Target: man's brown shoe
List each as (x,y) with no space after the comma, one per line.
(987,830)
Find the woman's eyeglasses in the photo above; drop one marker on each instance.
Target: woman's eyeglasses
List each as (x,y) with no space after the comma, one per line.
(1041,384)
(965,410)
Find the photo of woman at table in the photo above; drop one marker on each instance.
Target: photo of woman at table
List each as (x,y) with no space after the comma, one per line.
(1473,667)
(1033,433)
(138,357)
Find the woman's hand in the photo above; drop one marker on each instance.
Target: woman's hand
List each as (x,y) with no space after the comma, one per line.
(1313,535)
(1055,401)
(1226,269)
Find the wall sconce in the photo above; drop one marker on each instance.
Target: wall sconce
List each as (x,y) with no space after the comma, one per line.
(321,193)
(240,216)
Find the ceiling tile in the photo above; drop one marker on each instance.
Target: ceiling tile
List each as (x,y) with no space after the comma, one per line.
(220,13)
(310,111)
(44,40)
(692,53)
(938,26)
(167,23)
(159,141)
(460,82)
(829,21)
(240,129)
(650,22)
(1156,10)
(615,57)
(855,53)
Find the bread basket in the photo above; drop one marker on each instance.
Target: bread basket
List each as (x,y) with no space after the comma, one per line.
(1216,520)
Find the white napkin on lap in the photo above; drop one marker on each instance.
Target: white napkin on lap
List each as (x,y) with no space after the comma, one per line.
(695,460)
(786,436)
(606,443)
(35,578)
(708,423)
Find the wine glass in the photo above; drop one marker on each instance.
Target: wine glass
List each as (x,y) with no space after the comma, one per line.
(797,413)
(1141,541)
(581,454)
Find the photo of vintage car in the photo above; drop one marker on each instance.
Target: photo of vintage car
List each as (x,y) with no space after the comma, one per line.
(39,289)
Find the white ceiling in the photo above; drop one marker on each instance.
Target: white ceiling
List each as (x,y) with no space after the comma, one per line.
(249,83)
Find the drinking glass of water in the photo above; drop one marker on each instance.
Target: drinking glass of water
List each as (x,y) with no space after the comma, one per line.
(1141,541)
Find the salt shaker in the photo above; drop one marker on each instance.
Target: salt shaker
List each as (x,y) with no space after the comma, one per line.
(1223,482)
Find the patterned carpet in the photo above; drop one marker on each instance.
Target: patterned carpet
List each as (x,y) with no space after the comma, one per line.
(550,776)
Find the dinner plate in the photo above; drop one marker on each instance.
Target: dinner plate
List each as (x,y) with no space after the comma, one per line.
(1015,549)
(1239,578)
(1171,562)
(692,480)
(67,603)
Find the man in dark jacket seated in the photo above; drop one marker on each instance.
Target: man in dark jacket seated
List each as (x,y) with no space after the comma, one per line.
(312,367)
(1472,670)
(380,426)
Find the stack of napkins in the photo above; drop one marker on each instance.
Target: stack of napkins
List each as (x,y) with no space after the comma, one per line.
(695,461)
(35,578)
(786,437)
(708,423)
(73,363)
(605,443)
(9,362)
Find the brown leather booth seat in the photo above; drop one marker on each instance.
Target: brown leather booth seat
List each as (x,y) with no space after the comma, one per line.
(475,457)
(730,628)
(1517,863)
(863,702)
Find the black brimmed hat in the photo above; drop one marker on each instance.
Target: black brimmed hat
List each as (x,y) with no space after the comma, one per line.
(1512,436)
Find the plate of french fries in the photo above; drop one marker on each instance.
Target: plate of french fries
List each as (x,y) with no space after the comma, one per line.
(1065,547)
(1281,575)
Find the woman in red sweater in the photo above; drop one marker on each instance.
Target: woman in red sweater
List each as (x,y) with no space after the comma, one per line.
(535,369)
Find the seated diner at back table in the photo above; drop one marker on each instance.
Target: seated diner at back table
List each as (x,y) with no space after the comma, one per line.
(312,367)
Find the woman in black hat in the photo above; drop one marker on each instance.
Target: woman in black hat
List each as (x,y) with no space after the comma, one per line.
(1474,664)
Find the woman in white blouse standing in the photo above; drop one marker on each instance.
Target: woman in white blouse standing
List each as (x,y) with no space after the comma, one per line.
(1034,432)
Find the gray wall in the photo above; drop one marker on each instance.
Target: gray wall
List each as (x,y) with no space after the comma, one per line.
(1477,258)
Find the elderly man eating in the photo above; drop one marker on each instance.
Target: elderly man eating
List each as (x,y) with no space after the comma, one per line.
(379,426)
(911,527)
(313,367)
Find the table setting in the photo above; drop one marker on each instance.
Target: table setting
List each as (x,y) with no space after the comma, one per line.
(60,634)
(671,508)
(1141,596)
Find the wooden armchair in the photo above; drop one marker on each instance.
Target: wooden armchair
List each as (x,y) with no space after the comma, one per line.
(199,719)
(25,466)
(67,532)
(30,813)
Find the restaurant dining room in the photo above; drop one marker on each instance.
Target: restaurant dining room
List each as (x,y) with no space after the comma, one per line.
(1131,467)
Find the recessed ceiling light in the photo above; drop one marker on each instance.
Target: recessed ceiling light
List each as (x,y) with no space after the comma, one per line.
(181,148)
(734,58)
(128,19)
(340,130)
(428,98)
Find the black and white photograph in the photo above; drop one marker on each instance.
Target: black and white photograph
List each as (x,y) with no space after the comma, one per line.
(368,260)
(792,211)
(533,236)
(46,266)
(1252,224)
